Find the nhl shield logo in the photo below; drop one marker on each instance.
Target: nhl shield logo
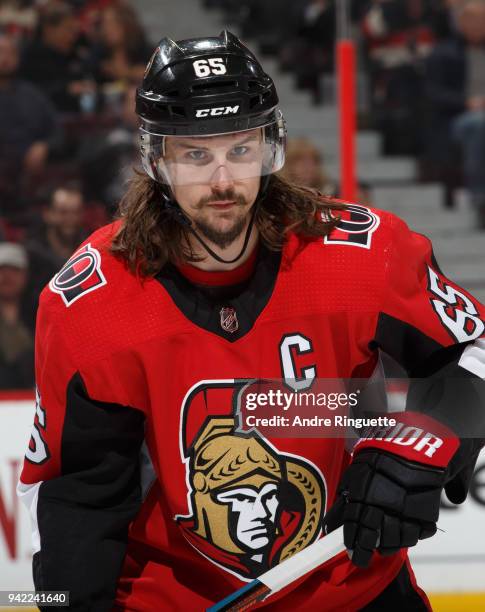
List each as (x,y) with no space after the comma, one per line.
(229,322)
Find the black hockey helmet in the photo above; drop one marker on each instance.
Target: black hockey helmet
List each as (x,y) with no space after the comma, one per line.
(206,87)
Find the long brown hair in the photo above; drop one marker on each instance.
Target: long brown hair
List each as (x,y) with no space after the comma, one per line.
(149,236)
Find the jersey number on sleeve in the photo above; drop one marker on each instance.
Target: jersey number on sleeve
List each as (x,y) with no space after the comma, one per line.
(457,312)
(37,451)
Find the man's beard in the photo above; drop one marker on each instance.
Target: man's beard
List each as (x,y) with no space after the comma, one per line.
(219,237)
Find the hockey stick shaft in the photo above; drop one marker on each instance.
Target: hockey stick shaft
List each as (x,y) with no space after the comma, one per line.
(283,574)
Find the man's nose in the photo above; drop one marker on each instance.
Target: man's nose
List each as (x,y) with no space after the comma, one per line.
(222,178)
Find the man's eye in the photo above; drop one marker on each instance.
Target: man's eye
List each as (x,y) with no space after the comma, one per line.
(240,150)
(196,155)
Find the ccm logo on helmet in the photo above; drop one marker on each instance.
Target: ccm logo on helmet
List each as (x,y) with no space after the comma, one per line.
(217,111)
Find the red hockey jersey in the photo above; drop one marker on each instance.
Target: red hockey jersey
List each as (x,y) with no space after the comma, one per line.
(141,486)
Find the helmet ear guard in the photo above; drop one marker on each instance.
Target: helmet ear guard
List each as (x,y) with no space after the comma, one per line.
(148,159)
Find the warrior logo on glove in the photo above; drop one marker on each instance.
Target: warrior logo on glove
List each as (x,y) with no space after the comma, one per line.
(250,506)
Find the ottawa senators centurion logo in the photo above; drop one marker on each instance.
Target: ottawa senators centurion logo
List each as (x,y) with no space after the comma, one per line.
(250,506)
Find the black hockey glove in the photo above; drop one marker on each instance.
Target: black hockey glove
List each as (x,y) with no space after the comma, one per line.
(391,491)
(390,503)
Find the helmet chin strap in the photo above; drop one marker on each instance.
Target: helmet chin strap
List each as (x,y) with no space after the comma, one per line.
(178,214)
(244,246)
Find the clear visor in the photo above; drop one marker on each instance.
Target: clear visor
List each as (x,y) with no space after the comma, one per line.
(236,156)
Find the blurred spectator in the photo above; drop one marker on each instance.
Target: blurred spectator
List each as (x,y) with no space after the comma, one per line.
(123,52)
(453,8)
(399,34)
(316,32)
(468,129)
(269,22)
(89,13)
(29,129)
(55,61)
(304,166)
(444,18)
(310,52)
(117,152)
(456,96)
(60,234)
(16,340)
(17,16)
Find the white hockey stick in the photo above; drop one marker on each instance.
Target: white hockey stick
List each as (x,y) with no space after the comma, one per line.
(283,574)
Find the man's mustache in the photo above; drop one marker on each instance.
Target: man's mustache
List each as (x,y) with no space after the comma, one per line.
(222,196)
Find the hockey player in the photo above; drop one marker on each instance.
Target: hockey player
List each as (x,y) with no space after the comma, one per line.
(144,492)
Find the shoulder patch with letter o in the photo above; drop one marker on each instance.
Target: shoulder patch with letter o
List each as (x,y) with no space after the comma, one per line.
(80,275)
